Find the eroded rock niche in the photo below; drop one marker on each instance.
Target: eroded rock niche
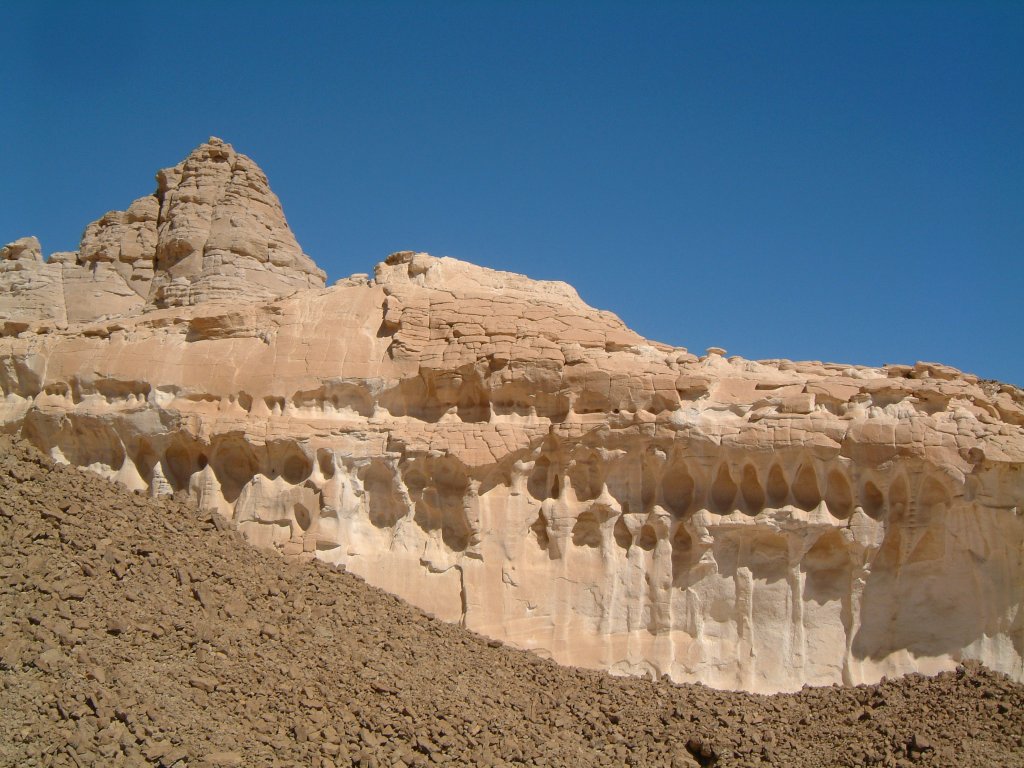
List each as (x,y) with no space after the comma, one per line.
(497,452)
(757,570)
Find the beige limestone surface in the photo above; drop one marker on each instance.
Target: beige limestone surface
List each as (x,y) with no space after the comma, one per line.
(495,451)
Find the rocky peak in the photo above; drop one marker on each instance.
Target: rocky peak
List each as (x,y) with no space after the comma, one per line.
(213,229)
(221,232)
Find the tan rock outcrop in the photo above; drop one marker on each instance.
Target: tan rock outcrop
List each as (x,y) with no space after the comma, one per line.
(213,229)
(126,242)
(29,288)
(495,451)
(221,233)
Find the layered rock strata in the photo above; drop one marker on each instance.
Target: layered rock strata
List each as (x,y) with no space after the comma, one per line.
(497,452)
(212,229)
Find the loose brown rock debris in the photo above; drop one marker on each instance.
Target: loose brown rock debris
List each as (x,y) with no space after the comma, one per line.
(137,632)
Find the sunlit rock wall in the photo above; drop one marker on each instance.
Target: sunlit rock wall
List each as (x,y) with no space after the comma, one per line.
(497,452)
(502,455)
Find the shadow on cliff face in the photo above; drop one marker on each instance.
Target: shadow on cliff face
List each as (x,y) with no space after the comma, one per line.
(924,592)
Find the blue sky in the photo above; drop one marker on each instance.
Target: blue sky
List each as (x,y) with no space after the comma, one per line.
(831,181)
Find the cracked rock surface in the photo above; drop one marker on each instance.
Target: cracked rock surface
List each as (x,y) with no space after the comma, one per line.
(144,632)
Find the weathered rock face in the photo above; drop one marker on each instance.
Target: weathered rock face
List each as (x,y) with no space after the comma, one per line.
(221,233)
(497,452)
(29,289)
(213,229)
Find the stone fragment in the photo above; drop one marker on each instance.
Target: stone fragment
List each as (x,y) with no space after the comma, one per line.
(203,683)
(225,759)
(50,660)
(76,592)
(117,626)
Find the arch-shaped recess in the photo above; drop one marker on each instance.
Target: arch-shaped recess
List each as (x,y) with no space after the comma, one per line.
(287,459)
(650,470)
(872,500)
(145,459)
(621,533)
(234,463)
(349,396)
(540,531)
(839,497)
(585,475)
(384,504)
(451,483)
(303,517)
(180,462)
(932,500)
(723,491)
(776,487)
(551,405)
(682,555)
(416,479)
(325,461)
(512,399)
(451,479)
(750,489)
(620,478)
(590,401)
(648,538)
(899,500)
(539,482)
(82,440)
(455,529)
(767,555)
(586,532)
(677,488)
(474,404)
(805,488)
(827,567)
(438,488)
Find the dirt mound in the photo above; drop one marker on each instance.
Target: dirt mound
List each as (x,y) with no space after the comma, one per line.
(138,632)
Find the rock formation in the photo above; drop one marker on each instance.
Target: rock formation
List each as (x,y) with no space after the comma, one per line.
(142,632)
(213,229)
(497,452)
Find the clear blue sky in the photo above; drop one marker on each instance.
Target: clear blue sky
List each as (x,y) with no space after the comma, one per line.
(821,180)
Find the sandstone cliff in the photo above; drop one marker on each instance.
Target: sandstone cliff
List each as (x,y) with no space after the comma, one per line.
(499,453)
